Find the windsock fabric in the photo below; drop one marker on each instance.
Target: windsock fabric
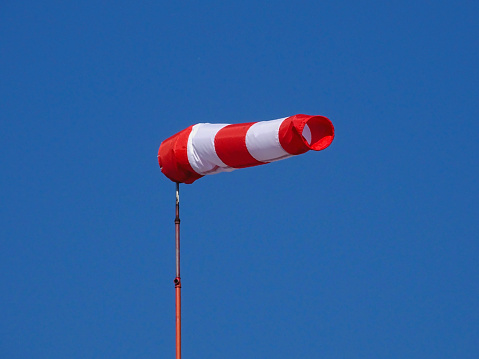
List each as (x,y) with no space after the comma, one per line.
(206,148)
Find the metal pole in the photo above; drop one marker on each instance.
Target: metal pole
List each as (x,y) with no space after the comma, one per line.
(177,280)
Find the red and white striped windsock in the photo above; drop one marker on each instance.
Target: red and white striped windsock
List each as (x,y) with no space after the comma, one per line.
(206,148)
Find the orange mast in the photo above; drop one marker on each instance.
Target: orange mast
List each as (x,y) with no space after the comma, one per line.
(177,280)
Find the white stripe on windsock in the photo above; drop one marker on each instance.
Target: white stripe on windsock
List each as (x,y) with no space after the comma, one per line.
(201,149)
(262,141)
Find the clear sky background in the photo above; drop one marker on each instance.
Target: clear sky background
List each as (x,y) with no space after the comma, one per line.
(368,249)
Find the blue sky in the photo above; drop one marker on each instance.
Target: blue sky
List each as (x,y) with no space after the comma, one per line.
(365,250)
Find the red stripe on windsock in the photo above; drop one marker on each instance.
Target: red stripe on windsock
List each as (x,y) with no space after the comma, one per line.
(173,158)
(230,146)
(291,133)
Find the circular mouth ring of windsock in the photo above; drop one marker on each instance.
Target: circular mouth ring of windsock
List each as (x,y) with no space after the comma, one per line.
(318,133)
(301,133)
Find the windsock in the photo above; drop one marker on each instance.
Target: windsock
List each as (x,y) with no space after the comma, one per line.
(207,148)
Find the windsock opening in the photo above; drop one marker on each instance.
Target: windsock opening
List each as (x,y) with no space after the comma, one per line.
(318,133)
